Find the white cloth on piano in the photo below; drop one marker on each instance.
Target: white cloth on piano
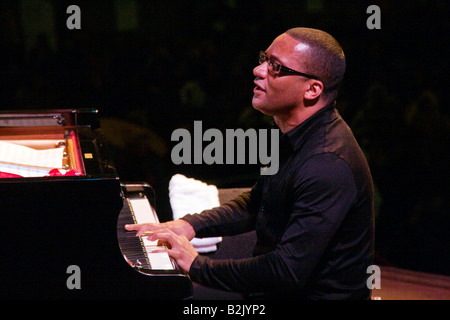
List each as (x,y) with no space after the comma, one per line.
(188,195)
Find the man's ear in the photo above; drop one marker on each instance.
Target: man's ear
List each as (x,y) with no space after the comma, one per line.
(314,91)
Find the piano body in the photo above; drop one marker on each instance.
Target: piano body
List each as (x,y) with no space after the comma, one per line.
(73,215)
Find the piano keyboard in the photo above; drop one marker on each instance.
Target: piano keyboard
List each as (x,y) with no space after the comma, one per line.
(139,251)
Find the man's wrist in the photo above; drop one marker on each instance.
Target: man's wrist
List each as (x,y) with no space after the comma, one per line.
(188,229)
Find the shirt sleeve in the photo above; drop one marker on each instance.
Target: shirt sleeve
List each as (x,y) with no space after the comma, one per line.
(233,217)
(324,191)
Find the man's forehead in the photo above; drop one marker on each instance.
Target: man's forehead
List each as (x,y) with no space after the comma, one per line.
(284,46)
(286,43)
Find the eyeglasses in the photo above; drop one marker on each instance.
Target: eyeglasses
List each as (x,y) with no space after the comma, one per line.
(277,67)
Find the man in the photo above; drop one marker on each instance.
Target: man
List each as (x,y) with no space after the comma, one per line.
(313,218)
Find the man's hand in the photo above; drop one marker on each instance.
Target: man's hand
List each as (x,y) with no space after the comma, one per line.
(177,234)
(180,248)
(179,227)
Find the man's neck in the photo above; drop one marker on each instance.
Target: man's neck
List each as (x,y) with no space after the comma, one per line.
(290,120)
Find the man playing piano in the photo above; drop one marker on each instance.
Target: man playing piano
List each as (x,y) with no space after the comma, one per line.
(314,218)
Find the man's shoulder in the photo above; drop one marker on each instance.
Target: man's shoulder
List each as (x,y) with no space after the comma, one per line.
(327,165)
(340,140)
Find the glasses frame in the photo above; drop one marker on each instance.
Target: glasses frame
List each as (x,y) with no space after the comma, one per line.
(278,67)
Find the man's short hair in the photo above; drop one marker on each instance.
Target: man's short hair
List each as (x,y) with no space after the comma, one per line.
(326,58)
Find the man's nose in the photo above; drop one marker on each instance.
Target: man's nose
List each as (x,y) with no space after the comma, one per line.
(260,71)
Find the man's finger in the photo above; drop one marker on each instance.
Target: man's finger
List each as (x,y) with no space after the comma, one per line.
(165,236)
(143,228)
(132,227)
(163,243)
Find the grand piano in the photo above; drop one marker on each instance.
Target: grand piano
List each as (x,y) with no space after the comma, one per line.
(62,227)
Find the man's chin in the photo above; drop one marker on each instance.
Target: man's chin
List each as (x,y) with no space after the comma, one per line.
(261,107)
(256,103)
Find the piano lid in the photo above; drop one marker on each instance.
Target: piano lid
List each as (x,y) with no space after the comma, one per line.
(32,120)
(49,118)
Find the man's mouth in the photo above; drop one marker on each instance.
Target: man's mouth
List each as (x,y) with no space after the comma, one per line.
(258,88)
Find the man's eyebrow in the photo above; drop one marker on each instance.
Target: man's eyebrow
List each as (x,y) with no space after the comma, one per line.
(272,56)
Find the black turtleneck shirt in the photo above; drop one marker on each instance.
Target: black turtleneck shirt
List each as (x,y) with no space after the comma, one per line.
(314,220)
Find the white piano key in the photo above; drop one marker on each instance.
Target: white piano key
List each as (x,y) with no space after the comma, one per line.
(160,261)
(144,213)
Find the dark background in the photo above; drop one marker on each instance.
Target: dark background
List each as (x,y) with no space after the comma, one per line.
(151,67)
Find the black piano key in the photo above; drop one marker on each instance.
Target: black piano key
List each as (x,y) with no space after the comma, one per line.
(130,245)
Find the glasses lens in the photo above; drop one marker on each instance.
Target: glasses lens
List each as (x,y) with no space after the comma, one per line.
(262,57)
(275,66)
